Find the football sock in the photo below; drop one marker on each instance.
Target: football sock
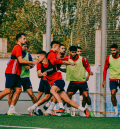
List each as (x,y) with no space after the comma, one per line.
(89,107)
(48,103)
(61,105)
(51,106)
(37,108)
(12,108)
(34,106)
(116,110)
(81,108)
(68,109)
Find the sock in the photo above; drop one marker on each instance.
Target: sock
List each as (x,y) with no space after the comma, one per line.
(68,109)
(34,106)
(48,103)
(12,108)
(61,105)
(51,106)
(81,108)
(116,110)
(89,107)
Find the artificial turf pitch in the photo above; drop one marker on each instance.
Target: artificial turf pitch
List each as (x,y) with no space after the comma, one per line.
(56,122)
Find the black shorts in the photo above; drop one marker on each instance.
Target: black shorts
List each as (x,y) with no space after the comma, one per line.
(26,84)
(44,86)
(114,85)
(60,84)
(73,87)
(12,81)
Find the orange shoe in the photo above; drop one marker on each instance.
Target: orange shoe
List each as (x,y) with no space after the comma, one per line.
(87,113)
(61,110)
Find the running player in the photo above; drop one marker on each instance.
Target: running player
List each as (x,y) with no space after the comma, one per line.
(113,63)
(13,72)
(55,80)
(25,76)
(51,103)
(77,78)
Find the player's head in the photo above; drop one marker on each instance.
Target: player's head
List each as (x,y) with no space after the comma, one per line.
(41,55)
(114,50)
(62,49)
(79,49)
(55,45)
(21,38)
(24,47)
(73,51)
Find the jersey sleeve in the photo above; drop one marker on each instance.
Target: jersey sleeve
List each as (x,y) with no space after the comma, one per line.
(30,57)
(38,66)
(18,51)
(65,58)
(106,66)
(86,64)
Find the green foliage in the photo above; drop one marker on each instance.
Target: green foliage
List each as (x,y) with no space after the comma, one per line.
(24,16)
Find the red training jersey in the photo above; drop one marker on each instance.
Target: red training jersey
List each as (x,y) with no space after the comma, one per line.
(13,66)
(56,75)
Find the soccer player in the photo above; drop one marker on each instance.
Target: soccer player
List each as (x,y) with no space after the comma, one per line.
(25,76)
(51,103)
(13,72)
(54,78)
(79,51)
(113,63)
(77,78)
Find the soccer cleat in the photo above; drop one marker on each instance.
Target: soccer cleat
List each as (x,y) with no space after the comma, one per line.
(49,113)
(92,114)
(87,113)
(31,111)
(61,110)
(66,114)
(45,107)
(13,113)
(116,116)
(38,113)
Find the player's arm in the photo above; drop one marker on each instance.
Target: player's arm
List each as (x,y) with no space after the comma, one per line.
(87,66)
(40,75)
(30,59)
(106,66)
(22,61)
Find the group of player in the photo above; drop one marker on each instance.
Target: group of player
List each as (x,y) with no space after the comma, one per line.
(51,83)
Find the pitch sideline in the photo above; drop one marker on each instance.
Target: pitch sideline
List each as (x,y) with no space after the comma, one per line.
(22,127)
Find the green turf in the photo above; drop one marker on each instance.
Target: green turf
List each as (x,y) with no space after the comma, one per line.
(61,122)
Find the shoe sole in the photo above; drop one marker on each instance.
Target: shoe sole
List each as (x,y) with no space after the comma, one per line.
(31,114)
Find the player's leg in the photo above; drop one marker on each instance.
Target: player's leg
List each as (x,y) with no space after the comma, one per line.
(10,80)
(27,86)
(40,101)
(84,89)
(39,95)
(57,87)
(10,97)
(15,97)
(113,88)
(65,97)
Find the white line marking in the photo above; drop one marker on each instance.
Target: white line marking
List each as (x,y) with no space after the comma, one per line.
(22,127)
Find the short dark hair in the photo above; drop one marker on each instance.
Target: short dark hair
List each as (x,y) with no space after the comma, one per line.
(114,46)
(54,42)
(19,35)
(62,45)
(78,47)
(42,52)
(72,48)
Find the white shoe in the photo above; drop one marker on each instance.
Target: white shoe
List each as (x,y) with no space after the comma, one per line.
(82,114)
(12,113)
(31,111)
